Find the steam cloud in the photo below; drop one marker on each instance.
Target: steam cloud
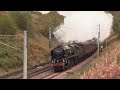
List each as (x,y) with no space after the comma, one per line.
(83,25)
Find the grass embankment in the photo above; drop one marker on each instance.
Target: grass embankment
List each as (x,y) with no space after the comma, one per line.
(105,66)
(39,51)
(12,60)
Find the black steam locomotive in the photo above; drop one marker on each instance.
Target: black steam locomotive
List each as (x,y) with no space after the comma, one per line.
(64,57)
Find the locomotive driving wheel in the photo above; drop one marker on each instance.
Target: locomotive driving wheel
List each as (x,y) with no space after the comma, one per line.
(55,69)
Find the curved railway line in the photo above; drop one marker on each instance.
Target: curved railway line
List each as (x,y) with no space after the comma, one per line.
(44,71)
(36,73)
(19,74)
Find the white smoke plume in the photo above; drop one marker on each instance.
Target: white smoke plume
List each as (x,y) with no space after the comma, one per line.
(83,25)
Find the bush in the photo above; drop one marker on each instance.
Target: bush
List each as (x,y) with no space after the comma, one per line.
(118,58)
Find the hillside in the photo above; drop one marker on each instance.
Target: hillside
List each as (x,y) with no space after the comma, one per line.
(106,66)
(14,23)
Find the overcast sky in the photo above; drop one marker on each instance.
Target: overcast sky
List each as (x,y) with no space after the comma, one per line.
(44,12)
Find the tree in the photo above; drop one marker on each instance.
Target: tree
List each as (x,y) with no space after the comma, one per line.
(42,22)
(7,25)
(21,18)
(118,27)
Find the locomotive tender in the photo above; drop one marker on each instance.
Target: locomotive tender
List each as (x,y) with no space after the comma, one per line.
(64,57)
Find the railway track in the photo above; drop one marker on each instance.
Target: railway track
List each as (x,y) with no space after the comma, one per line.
(35,69)
(44,71)
(37,73)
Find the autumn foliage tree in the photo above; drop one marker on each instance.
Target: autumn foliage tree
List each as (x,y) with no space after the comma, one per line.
(116,22)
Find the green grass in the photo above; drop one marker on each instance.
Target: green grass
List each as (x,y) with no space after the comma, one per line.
(71,76)
(3,72)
